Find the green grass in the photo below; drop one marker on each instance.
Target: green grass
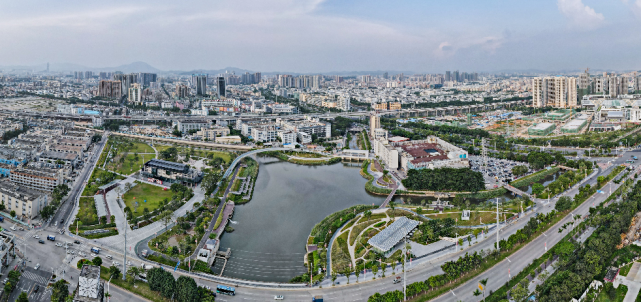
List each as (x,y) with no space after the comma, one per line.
(137,148)
(112,232)
(486,217)
(125,168)
(87,213)
(625,270)
(621,291)
(227,157)
(142,289)
(142,191)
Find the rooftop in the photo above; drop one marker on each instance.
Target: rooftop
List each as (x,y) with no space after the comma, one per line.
(390,236)
(168,165)
(542,126)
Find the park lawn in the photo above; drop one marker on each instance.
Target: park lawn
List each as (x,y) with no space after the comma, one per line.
(139,148)
(87,213)
(475,219)
(126,169)
(142,191)
(236,185)
(621,291)
(226,156)
(141,288)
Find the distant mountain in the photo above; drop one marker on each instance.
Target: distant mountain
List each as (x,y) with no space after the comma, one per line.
(132,67)
(69,67)
(212,72)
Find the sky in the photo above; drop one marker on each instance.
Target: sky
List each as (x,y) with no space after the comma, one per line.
(321,36)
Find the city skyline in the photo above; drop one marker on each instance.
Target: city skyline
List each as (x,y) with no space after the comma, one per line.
(326,36)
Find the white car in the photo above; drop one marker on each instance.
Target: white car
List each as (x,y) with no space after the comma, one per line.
(58,244)
(36,236)
(115,263)
(82,254)
(37,266)
(279,297)
(94,255)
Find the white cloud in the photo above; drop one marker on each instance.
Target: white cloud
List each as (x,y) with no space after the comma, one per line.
(579,14)
(636,8)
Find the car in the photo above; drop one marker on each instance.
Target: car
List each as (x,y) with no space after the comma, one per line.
(37,266)
(279,297)
(58,244)
(93,255)
(36,236)
(62,221)
(5,280)
(82,254)
(41,241)
(109,257)
(115,263)
(76,241)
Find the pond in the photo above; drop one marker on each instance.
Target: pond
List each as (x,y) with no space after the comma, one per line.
(268,243)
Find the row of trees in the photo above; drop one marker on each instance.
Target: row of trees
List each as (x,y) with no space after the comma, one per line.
(445,179)
(584,262)
(183,289)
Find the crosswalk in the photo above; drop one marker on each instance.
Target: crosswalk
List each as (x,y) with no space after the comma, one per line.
(35,278)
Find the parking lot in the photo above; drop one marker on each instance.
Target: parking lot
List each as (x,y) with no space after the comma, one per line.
(499,171)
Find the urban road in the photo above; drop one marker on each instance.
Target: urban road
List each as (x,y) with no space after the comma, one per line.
(497,275)
(50,257)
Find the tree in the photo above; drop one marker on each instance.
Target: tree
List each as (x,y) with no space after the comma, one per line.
(476,293)
(23,297)
(520,292)
(60,291)
(114,272)
(564,203)
(168,284)
(375,270)
(210,181)
(368,215)
(394,263)
(419,210)
(392,206)
(484,283)
(186,289)
(13,213)
(133,272)
(47,212)
(97,261)
(357,273)
(127,186)
(347,272)
(334,276)
(165,218)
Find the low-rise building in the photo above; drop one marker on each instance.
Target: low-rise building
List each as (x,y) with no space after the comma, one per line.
(231,139)
(24,201)
(187,125)
(171,172)
(387,153)
(90,286)
(264,133)
(287,137)
(38,179)
(304,138)
(53,157)
(213,132)
(79,150)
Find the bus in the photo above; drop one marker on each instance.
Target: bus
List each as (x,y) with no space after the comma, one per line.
(95,250)
(226,290)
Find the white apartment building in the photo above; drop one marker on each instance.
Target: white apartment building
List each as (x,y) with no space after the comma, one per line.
(25,202)
(213,132)
(135,94)
(287,137)
(380,133)
(304,138)
(38,179)
(264,133)
(185,126)
(387,153)
(374,122)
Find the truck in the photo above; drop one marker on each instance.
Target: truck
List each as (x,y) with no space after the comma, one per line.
(144,253)
(397,280)
(1,218)
(51,237)
(95,250)
(318,298)
(146,266)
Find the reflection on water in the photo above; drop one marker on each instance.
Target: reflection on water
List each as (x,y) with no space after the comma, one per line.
(268,243)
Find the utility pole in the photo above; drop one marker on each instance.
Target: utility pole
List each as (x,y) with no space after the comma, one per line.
(124,263)
(404,280)
(497,224)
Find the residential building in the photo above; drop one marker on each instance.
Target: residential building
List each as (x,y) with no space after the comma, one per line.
(25,202)
(387,153)
(304,138)
(264,133)
(135,94)
(374,122)
(90,287)
(233,139)
(185,126)
(171,172)
(66,149)
(213,132)
(200,82)
(38,179)
(287,137)
(220,87)
(111,89)
(52,157)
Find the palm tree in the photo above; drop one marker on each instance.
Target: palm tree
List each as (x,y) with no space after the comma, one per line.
(134,271)
(484,283)
(334,276)
(476,293)
(392,206)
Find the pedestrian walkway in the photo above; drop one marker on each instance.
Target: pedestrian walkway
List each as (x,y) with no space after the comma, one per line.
(36,278)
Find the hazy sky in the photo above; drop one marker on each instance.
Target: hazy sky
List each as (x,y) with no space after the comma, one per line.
(324,36)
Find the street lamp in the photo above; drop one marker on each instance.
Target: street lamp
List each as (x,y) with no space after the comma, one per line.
(108,283)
